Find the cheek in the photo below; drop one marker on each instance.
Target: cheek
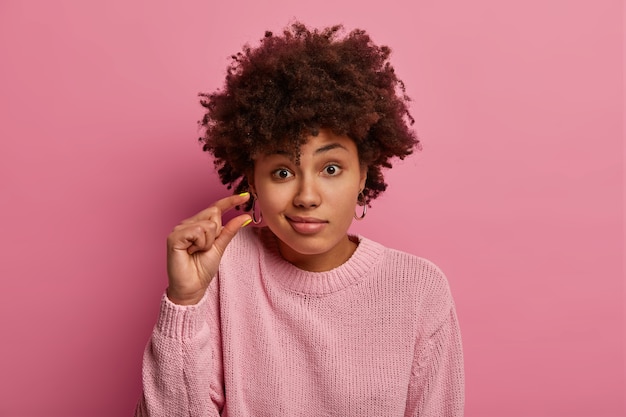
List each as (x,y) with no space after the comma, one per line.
(273,199)
(345,199)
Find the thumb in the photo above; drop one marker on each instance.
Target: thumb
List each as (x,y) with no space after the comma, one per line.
(230,230)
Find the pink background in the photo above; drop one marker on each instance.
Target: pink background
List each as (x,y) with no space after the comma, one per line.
(518,194)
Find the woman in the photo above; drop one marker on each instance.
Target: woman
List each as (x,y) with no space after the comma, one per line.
(296,317)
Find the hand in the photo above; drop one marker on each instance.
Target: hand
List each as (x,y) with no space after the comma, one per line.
(195,248)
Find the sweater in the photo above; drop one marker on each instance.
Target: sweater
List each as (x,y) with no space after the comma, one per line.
(376,336)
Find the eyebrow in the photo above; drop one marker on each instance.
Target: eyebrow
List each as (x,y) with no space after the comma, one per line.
(318,151)
(329,147)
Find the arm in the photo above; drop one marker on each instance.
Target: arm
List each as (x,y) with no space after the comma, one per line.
(182,365)
(437,387)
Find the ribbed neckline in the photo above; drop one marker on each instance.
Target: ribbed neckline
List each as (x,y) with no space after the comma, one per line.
(275,268)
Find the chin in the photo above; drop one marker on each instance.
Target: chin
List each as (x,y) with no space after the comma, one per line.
(307,246)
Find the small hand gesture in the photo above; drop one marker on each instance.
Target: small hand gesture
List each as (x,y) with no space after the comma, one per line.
(195,248)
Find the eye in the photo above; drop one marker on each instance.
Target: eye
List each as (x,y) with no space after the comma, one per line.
(331,170)
(282,174)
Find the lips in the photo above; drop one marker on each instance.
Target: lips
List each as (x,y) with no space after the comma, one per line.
(306,225)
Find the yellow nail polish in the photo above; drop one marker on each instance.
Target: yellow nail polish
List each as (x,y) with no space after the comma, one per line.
(244,194)
(247,222)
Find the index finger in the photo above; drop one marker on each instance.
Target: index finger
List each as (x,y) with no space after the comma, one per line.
(222,205)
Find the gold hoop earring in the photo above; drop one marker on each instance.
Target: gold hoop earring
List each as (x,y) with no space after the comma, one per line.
(253,212)
(361,200)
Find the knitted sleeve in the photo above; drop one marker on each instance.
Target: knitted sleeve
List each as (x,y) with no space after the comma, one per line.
(437,380)
(181,366)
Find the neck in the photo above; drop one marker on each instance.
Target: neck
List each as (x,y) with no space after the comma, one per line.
(320,262)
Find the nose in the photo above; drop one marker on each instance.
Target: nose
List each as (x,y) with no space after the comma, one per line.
(307,194)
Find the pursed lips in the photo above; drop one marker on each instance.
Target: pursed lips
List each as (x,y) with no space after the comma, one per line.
(306,225)
(299,219)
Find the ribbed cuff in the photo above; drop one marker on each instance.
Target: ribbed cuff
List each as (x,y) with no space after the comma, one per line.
(181,322)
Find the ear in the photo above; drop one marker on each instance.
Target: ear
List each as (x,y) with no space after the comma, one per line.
(363,177)
(250,178)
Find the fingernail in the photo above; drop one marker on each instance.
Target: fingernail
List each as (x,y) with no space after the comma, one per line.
(247,222)
(244,194)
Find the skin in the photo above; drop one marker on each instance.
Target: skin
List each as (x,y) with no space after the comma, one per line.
(309,207)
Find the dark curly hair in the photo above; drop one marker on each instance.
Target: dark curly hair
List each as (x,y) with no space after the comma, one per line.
(291,86)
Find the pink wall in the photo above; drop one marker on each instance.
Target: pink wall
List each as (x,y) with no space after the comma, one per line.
(518,194)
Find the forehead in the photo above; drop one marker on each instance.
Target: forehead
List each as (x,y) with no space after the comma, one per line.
(328,140)
(325,141)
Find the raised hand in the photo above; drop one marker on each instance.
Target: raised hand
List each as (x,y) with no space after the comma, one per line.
(195,248)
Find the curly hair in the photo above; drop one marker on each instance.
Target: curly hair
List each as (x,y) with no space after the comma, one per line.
(291,86)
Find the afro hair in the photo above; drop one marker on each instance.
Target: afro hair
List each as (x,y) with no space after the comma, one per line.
(292,85)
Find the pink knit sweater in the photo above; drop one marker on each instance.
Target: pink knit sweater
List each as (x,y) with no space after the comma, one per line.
(377,336)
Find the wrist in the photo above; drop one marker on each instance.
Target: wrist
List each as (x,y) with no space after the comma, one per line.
(183,300)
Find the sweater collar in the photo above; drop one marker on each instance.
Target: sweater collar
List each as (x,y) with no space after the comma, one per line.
(366,256)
